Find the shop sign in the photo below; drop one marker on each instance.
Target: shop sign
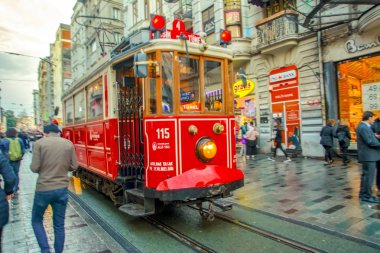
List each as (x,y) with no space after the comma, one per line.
(352,46)
(284,94)
(283,78)
(371,96)
(233,18)
(240,90)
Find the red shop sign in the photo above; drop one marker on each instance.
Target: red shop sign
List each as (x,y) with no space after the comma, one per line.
(283,77)
(284,94)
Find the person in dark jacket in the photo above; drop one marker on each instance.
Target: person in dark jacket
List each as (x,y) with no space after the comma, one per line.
(277,138)
(12,133)
(376,130)
(368,155)
(344,138)
(6,193)
(327,140)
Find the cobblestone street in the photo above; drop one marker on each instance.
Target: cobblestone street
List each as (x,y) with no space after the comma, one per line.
(83,234)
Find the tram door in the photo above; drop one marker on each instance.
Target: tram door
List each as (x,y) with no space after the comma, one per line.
(130,104)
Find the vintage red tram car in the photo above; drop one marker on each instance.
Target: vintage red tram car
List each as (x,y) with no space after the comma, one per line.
(164,138)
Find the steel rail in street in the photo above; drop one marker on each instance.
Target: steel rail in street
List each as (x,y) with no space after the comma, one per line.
(193,244)
(121,240)
(272,236)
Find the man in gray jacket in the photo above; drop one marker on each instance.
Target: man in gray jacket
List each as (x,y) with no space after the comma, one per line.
(368,154)
(53,157)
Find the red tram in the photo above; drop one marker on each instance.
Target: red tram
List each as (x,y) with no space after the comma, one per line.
(166,138)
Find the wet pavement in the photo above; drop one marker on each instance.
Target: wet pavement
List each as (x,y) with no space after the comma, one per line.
(309,193)
(302,200)
(83,234)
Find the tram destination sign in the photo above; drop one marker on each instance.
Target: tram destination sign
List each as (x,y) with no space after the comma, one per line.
(371,96)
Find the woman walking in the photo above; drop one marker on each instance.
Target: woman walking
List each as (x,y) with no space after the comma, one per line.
(327,140)
(277,138)
(251,138)
(344,138)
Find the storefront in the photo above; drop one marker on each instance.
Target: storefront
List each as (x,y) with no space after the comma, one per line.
(245,104)
(285,102)
(352,77)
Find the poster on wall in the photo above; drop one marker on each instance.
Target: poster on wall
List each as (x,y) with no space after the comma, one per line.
(371,96)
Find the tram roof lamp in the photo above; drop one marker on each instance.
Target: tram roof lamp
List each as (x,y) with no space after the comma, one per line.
(225,38)
(157,22)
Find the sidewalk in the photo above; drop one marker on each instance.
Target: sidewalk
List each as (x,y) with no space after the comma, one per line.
(306,191)
(83,234)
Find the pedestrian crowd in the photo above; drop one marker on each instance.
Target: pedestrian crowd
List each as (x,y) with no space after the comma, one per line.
(53,157)
(368,146)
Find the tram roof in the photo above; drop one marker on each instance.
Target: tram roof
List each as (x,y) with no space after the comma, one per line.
(127,49)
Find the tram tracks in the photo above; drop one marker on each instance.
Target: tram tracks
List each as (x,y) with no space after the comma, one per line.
(262,232)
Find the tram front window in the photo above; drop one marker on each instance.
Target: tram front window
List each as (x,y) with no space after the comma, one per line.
(167,82)
(189,84)
(213,86)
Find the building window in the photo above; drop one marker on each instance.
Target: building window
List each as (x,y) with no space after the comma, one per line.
(146,9)
(116,13)
(93,46)
(95,100)
(208,20)
(159,7)
(135,13)
(274,6)
(232,17)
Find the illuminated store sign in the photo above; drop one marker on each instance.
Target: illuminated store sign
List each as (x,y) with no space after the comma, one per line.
(241,91)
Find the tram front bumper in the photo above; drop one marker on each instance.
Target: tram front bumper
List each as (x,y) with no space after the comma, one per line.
(200,183)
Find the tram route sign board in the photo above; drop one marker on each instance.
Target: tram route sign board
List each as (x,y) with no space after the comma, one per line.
(371,96)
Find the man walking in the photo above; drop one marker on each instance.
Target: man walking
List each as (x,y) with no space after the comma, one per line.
(52,158)
(368,154)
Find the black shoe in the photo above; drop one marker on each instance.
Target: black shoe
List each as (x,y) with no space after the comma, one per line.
(370,200)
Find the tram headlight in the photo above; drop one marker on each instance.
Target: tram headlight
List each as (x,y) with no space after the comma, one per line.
(205,149)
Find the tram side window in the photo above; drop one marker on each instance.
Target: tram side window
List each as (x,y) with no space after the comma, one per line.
(69,111)
(213,85)
(189,84)
(79,106)
(95,100)
(167,82)
(152,75)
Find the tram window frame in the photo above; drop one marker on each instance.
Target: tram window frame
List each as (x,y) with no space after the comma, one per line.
(88,106)
(200,84)
(151,85)
(167,88)
(67,120)
(219,96)
(83,117)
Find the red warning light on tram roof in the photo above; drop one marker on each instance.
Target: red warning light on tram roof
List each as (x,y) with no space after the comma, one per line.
(225,36)
(158,22)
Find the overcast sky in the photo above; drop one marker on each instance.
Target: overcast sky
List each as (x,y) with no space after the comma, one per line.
(26,27)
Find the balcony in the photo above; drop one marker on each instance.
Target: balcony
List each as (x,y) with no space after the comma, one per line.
(277,33)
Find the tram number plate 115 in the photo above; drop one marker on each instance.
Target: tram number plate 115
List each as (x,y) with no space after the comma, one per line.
(371,96)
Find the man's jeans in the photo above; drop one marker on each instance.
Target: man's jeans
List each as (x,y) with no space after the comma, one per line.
(58,201)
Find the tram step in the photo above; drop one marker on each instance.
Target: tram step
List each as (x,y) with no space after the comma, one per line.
(223,204)
(135,209)
(136,192)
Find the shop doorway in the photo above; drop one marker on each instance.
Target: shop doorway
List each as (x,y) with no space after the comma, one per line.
(358,90)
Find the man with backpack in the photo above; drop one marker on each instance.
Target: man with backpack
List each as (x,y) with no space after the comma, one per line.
(344,138)
(13,148)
